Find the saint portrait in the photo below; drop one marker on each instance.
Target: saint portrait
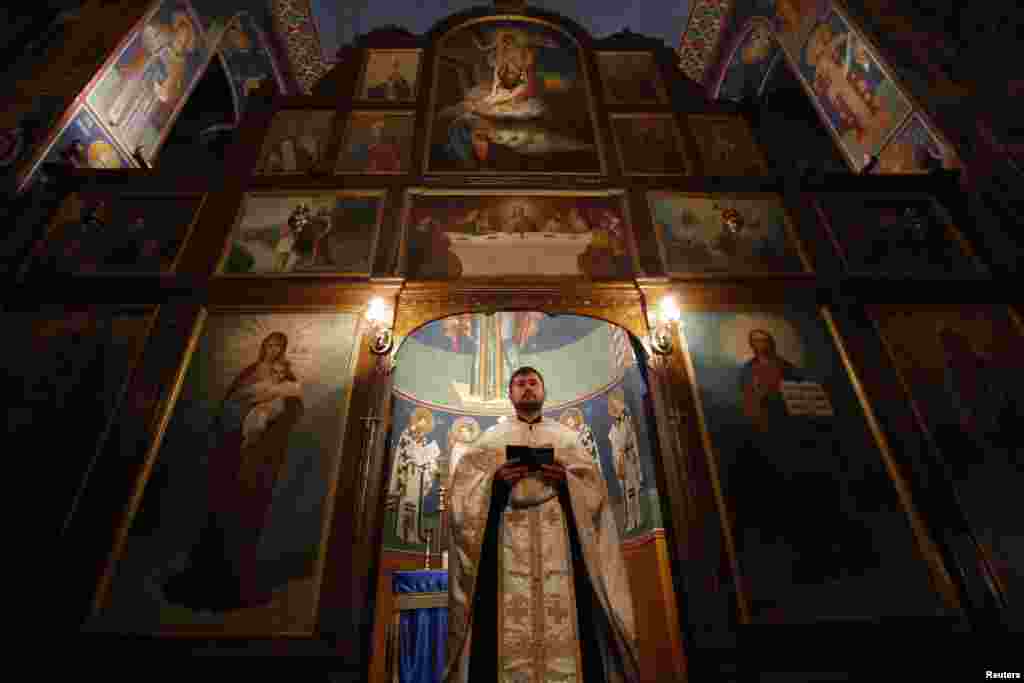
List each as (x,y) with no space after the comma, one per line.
(142,91)
(84,143)
(649,144)
(738,234)
(280,233)
(791,441)
(630,78)
(858,100)
(390,75)
(451,235)
(232,539)
(377,142)
(296,141)
(511,96)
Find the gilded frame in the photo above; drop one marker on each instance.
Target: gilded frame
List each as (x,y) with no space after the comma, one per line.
(363,70)
(662,94)
(687,164)
(365,113)
(380,195)
(791,235)
(928,549)
(401,259)
(156,441)
(25,269)
(584,69)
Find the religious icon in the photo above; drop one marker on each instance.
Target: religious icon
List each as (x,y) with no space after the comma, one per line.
(630,78)
(915,149)
(325,233)
(86,144)
(464,431)
(574,420)
(465,234)
(859,102)
(390,75)
(414,467)
(296,141)
(786,425)
(141,93)
(704,234)
(247,461)
(116,234)
(626,458)
(649,144)
(726,145)
(520,102)
(377,142)
(891,234)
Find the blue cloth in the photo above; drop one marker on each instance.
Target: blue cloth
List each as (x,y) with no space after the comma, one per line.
(423,633)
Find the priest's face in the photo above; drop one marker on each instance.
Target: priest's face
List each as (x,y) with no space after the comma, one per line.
(527,393)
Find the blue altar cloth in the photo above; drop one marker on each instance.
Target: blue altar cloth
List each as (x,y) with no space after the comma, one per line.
(422,633)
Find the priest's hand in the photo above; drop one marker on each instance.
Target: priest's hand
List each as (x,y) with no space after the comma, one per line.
(510,473)
(553,474)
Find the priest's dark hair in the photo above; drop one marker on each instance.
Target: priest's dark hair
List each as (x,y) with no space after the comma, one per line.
(525,370)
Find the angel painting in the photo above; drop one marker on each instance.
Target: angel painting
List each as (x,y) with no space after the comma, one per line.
(519,108)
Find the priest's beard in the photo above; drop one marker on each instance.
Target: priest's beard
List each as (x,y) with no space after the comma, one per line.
(529,407)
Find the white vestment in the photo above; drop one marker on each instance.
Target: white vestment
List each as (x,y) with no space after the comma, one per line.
(538,635)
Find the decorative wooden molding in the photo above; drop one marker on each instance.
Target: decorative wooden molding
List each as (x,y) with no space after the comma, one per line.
(618,303)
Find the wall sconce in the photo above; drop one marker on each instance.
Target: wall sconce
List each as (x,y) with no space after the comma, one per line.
(664,320)
(379,316)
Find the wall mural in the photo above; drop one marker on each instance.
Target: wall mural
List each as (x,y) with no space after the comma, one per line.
(428,440)
(228,536)
(330,232)
(116,234)
(452,235)
(859,102)
(896,235)
(793,444)
(963,367)
(296,141)
(84,143)
(793,20)
(630,78)
(648,144)
(916,149)
(751,61)
(140,95)
(511,96)
(726,145)
(713,234)
(377,142)
(245,53)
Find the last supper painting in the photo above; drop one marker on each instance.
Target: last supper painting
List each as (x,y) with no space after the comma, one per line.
(511,96)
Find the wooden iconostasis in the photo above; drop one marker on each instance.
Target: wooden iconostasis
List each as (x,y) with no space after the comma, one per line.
(497,164)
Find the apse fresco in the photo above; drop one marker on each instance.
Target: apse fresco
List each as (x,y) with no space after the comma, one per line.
(245,55)
(752,60)
(330,232)
(453,235)
(792,444)
(630,78)
(963,367)
(430,437)
(84,143)
(296,141)
(726,145)
(377,142)
(390,75)
(649,144)
(228,534)
(905,236)
(511,96)
(858,100)
(793,20)
(140,95)
(116,234)
(916,149)
(723,234)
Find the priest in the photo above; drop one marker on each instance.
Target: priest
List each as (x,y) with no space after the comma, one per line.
(537,585)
